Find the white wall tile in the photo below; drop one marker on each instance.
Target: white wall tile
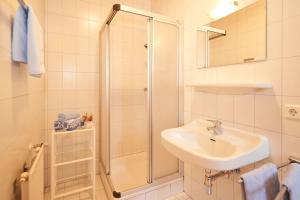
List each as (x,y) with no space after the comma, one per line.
(54,80)
(225,188)
(290,147)
(55,24)
(268,112)
(138,197)
(291,81)
(274,40)
(54,62)
(244,109)
(70,26)
(69,62)
(54,6)
(290,8)
(69,80)
(176,188)
(274,10)
(225,107)
(204,104)
(69,8)
(159,194)
(291,31)
(274,145)
(269,71)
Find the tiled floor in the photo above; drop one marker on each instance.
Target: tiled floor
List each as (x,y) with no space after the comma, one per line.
(101,195)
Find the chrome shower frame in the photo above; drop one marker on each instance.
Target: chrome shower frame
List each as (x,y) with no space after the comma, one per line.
(152,17)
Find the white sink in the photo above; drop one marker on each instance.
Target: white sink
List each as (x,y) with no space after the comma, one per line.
(230,150)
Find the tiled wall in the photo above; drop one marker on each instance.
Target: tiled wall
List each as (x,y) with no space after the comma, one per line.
(72,52)
(171,190)
(261,112)
(21,102)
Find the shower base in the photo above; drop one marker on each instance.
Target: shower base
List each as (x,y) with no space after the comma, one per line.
(129,172)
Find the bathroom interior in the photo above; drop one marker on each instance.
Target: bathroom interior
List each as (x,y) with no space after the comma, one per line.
(150,99)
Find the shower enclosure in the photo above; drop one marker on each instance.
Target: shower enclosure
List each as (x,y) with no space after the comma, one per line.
(141,95)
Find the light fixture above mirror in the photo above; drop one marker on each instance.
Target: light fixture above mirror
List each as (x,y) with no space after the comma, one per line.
(227,7)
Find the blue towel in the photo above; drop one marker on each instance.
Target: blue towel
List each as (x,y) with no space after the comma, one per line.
(19,40)
(292,181)
(68,115)
(72,124)
(58,125)
(261,183)
(35,45)
(68,125)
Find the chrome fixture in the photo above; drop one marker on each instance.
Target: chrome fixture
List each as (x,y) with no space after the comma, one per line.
(209,177)
(216,33)
(216,127)
(23,4)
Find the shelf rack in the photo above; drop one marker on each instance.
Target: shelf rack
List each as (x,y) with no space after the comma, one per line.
(73,164)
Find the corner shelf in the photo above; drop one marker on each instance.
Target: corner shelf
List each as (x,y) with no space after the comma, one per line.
(231,87)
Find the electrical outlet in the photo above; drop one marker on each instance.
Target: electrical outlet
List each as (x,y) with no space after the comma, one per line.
(292,111)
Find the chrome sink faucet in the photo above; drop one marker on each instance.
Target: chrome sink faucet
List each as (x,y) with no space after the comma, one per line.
(216,127)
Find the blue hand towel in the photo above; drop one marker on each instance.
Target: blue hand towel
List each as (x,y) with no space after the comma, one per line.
(35,45)
(292,181)
(261,183)
(68,115)
(19,39)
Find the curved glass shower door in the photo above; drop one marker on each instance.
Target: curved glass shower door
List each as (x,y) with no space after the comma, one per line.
(128,101)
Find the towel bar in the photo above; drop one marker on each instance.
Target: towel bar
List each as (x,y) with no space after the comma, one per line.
(22,3)
(291,160)
(282,193)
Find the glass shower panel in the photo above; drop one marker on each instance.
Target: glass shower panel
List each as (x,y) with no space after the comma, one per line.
(165,95)
(128,102)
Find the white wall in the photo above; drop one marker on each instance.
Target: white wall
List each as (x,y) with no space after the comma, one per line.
(260,112)
(21,102)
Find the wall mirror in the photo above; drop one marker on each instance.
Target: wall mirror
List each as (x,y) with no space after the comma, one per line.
(238,37)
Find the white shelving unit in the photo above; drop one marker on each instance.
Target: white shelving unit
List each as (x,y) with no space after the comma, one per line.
(73,164)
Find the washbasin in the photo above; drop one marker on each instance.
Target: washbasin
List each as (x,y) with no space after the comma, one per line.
(232,149)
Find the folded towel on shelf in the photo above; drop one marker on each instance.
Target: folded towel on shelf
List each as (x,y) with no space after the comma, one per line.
(19,37)
(261,183)
(292,181)
(35,45)
(72,124)
(68,115)
(58,125)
